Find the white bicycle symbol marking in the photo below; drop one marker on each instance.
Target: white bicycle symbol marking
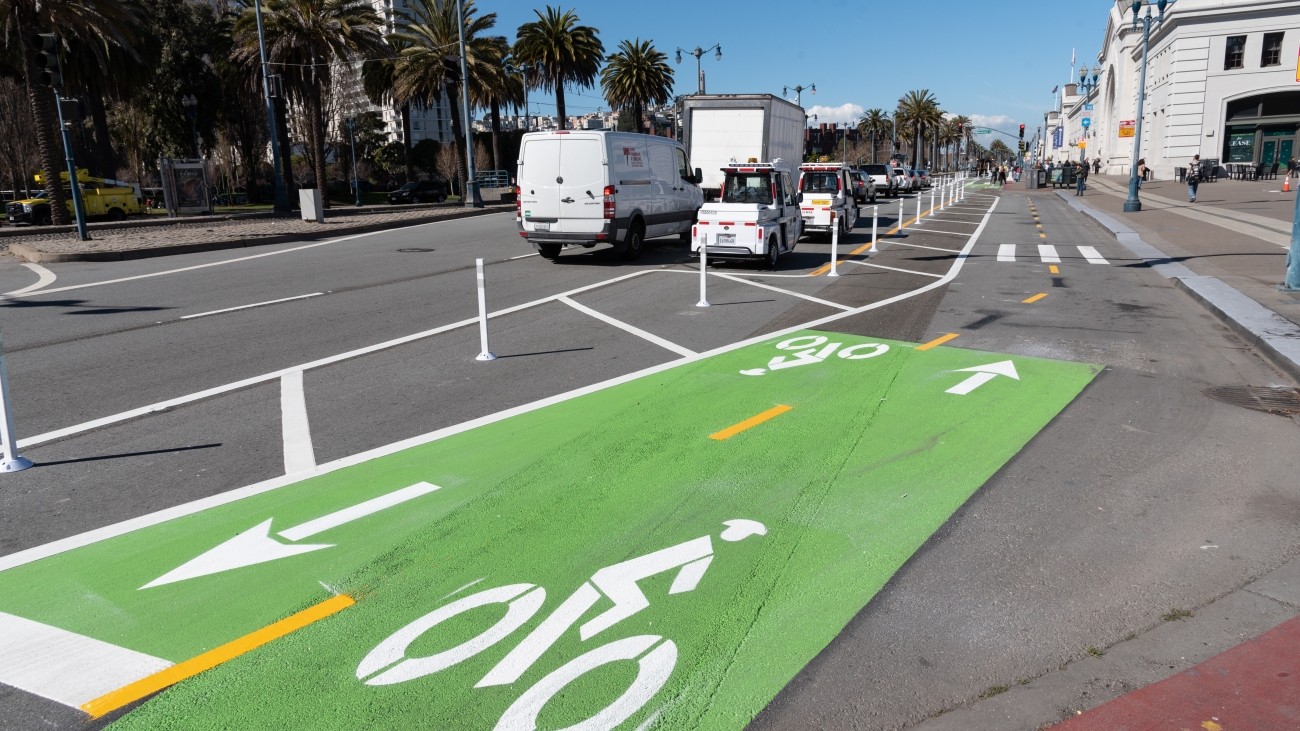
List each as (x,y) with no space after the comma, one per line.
(656,657)
(807,353)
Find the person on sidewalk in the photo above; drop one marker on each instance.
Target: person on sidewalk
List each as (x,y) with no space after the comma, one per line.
(1193,178)
(1142,171)
(1081,178)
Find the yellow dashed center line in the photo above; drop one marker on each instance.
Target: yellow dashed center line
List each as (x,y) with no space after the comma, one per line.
(1053,269)
(749,423)
(1042,236)
(1035,298)
(937,341)
(114,700)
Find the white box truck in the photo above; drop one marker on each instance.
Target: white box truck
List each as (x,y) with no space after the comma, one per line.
(597,187)
(719,129)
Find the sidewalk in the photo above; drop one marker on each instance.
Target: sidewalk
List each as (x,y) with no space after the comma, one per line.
(158,236)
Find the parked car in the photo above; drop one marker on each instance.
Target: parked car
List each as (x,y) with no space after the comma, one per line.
(883,177)
(924,176)
(913,182)
(864,188)
(419,191)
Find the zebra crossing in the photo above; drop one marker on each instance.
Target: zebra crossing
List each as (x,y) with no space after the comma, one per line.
(1048,254)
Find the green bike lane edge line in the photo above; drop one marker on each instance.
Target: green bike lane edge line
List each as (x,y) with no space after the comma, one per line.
(874,454)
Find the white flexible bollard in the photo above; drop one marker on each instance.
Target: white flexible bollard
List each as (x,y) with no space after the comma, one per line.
(918,207)
(704,265)
(900,212)
(932,201)
(484,353)
(875,217)
(835,246)
(10,461)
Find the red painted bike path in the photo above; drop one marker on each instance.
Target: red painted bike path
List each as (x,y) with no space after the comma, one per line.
(1254,686)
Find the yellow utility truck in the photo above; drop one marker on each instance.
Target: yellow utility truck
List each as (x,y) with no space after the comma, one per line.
(102,197)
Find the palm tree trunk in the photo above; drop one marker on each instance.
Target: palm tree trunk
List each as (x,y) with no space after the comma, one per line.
(105,156)
(496,130)
(406,142)
(43,119)
(561,119)
(457,134)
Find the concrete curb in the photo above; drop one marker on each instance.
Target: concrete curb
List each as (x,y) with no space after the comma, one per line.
(1270,333)
(28,252)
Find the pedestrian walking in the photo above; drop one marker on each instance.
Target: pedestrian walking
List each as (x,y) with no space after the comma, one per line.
(1096,164)
(1193,178)
(1142,171)
(1081,178)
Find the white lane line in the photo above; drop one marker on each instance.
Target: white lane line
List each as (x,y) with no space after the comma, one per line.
(1092,255)
(62,545)
(299,456)
(256,304)
(666,344)
(892,244)
(64,666)
(44,277)
(769,287)
(236,260)
(924,229)
(275,375)
(952,212)
(893,269)
(524,256)
(1048,254)
(1007,252)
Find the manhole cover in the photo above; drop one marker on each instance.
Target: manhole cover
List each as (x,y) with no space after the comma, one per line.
(414,251)
(1270,399)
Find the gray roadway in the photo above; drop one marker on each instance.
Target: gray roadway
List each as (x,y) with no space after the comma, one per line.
(1086,537)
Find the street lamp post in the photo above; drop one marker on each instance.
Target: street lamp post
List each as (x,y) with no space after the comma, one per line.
(352,145)
(699,70)
(191,108)
(522,69)
(281,195)
(1087,84)
(472,198)
(798,92)
(1132,205)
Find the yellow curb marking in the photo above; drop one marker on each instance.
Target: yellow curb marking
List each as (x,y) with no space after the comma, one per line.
(125,695)
(937,341)
(749,423)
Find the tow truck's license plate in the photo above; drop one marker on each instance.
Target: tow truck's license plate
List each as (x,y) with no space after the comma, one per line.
(541,227)
(726,238)
(821,202)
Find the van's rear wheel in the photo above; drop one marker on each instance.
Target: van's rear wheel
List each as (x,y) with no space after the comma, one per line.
(549,251)
(773,252)
(634,243)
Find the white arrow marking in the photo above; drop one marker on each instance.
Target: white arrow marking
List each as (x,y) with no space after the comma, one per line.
(984,374)
(256,545)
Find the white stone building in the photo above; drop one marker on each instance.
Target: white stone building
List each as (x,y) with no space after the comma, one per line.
(1223,81)
(431,122)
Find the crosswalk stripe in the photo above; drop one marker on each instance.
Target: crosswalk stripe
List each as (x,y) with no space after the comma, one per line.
(1006,252)
(1048,254)
(1090,253)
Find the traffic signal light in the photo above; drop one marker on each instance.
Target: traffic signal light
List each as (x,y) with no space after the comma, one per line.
(45,56)
(1022,131)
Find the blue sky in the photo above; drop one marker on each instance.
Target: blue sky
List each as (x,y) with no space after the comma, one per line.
(993,60)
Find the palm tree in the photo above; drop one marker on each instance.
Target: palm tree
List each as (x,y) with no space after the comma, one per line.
(921,110)
(497,87)
(304,39)
(566,52)
(99,25)
(960,131)
(636,76)
(874,122)
(429,36)
(377,77)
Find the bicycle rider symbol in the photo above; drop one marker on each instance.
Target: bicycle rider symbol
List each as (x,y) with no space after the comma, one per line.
(656,656)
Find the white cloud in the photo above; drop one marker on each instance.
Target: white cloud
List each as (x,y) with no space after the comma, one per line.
(844,114)
(992,120)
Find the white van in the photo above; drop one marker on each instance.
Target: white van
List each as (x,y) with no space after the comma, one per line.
(591,187)
(826,188)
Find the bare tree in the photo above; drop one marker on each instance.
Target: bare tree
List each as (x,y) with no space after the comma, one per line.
(19,154)
(449,164)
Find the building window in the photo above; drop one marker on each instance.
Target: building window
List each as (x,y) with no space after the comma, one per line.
(1235,56)
(1272,55)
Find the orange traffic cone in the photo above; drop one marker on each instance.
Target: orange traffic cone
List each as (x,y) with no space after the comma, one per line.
(1286,184)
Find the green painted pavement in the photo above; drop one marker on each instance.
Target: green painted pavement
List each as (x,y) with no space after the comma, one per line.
(873,457)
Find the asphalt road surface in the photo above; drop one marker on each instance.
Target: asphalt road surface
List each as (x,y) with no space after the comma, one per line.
(145,386)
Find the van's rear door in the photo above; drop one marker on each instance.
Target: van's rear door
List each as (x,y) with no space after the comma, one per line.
(561,181)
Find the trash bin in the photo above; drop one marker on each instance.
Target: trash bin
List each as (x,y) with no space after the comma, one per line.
(312,205)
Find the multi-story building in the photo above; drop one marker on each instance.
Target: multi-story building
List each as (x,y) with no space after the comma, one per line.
(1221,83)
(431,121)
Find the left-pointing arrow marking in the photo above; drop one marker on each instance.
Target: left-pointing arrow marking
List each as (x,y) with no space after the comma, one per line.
(256,545)
(984,374)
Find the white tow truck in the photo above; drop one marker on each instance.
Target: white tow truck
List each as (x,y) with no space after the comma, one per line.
(756,217)
(825,188)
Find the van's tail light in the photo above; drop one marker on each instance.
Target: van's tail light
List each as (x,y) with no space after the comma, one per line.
(519,203)
(609,202)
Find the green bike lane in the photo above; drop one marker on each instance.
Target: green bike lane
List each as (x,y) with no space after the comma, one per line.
(667,552)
